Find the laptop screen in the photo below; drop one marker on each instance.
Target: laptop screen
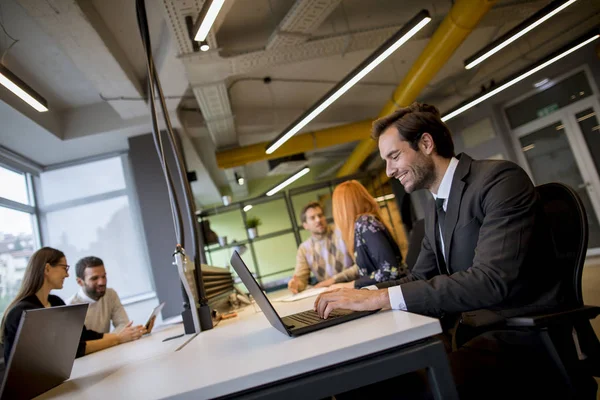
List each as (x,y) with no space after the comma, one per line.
(255,290)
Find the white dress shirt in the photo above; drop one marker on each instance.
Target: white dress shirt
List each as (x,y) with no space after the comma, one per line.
(395,292)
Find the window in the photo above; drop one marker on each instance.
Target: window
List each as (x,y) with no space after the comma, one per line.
(18,232)
(570,90)
(87,211)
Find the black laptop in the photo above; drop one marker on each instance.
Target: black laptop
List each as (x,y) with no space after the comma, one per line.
(295,324)
(44,350)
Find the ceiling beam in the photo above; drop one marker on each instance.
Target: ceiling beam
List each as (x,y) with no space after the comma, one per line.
(210,67)
(300,22)
(460,21)
(80,31)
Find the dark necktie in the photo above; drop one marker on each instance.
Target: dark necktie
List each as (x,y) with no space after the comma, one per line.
(441,218)
(441,214)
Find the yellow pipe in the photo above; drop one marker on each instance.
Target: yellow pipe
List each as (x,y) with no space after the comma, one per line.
(460,21)
(298,144)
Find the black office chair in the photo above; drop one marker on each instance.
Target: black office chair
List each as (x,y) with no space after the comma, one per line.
(414,243)
(567,230)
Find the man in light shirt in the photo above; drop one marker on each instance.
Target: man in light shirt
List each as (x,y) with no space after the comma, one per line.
(324,253)
(104,303)
(478,251)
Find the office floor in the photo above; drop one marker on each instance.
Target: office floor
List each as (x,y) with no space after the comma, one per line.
(591,291)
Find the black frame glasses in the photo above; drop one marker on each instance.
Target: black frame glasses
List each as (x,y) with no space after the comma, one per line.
(66,266)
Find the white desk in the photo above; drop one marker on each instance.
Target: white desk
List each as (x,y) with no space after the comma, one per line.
(93,368)
(247,352)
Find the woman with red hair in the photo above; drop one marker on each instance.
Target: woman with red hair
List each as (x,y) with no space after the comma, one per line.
(358,216)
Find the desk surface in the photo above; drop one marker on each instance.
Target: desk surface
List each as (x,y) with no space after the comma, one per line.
(239,354)
(93,368)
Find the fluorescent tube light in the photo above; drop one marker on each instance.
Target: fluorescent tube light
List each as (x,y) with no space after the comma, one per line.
(520,30)
(207,18)
(537,67)
(248,208)
(541,83)
(288,181)
(21,89)
(383,52)
(384,198)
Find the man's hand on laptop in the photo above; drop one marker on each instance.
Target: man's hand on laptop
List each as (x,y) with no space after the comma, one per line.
(351,299)
(130,333)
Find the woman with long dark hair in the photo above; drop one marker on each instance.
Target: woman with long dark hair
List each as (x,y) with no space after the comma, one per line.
(46,270)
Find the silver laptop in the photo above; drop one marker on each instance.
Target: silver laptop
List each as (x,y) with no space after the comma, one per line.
(295,324)
(44,350)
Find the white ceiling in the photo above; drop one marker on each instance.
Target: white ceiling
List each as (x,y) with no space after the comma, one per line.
(41,63)
(82,124)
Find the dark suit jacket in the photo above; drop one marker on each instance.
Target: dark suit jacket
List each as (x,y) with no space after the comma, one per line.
(492,237)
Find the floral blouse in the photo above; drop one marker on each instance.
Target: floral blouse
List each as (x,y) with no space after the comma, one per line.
(376,253)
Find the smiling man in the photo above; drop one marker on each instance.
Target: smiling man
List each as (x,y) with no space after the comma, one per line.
(104,303)
(478,250)
(482,250)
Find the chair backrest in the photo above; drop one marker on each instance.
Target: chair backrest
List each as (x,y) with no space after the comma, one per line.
(414,243)
(567,225)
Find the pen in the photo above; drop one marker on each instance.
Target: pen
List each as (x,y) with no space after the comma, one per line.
(173,337)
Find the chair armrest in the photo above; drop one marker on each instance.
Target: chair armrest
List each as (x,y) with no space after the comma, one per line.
(555,317)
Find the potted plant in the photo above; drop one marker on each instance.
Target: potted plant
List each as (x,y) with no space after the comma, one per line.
(252,223)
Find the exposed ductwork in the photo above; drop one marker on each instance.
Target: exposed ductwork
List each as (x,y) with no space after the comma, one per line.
(300,22)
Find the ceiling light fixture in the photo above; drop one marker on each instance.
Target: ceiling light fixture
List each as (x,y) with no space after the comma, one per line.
(579,43)
(385,198)
(21,89)
(520,30)
(240,179)
(383,52)
(207,18)
(541,83)
(289,181)
(204,46)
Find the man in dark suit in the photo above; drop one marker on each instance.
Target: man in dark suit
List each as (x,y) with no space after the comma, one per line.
(479,250)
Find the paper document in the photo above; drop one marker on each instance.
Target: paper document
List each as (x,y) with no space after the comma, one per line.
(302,295)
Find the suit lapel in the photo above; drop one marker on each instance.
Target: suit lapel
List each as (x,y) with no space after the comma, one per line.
(454,200)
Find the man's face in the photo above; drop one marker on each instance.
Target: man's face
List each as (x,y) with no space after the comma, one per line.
(94,282)
(315,221)
(414,169)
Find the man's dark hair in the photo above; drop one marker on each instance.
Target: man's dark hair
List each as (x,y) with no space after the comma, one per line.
(87,262)
(414,120)
(312,204)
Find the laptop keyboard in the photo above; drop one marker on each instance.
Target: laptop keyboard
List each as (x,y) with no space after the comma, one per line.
(310,317)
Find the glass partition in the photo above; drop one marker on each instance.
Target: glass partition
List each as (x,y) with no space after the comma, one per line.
(568,91)
(277,257)
(229,225)
(271,255)
(322,196)
(273,215)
